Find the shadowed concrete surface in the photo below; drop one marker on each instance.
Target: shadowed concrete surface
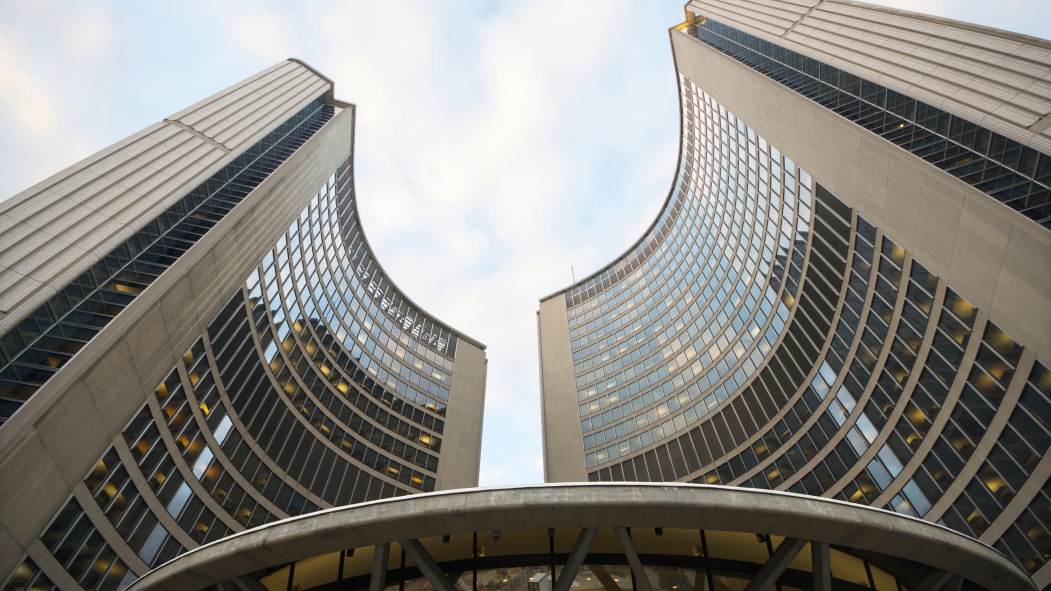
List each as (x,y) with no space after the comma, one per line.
(911,549)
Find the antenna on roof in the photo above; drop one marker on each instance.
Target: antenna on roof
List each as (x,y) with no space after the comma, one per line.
(573,273)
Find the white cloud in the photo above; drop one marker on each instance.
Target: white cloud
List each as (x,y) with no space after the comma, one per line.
(1030,17)
(261,33)
(26,105)
(87,34)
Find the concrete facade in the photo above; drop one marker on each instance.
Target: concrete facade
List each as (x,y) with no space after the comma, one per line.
(562,462)
(995,78)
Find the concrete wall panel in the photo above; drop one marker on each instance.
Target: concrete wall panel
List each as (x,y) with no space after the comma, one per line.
(55,230)
(990,77)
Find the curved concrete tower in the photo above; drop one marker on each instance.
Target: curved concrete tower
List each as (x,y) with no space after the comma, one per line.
(198,339)
(848,291)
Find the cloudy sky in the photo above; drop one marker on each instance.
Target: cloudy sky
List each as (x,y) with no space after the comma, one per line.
(500,144)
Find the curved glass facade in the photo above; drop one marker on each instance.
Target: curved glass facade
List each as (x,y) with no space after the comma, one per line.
(764,333)
(672,340)
(367,374)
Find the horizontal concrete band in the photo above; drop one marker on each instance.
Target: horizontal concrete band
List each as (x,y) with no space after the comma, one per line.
(590,505)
